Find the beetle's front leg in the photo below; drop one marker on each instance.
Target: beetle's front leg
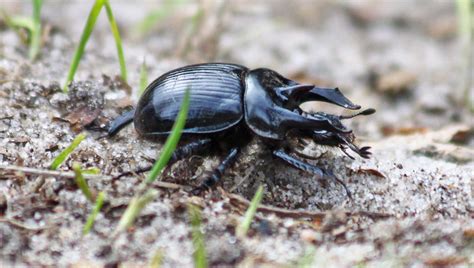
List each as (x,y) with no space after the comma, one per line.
(319,172)
(217,173)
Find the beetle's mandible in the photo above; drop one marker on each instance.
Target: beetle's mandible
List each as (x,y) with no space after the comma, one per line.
(230,104)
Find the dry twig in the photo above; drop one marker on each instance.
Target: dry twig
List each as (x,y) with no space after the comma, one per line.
(22,226)
(69,174)
(240,201)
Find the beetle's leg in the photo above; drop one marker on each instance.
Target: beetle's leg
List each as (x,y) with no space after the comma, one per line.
(341,141)
(195,147)
(291,120)
(185,151)
(216,175)
(320,173)
(120,122)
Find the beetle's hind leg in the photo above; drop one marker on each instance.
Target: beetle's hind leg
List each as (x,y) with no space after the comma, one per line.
(120,122)
(217,173)
(319,172)
(185,151)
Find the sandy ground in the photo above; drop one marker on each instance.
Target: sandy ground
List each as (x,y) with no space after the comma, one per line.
(412,201)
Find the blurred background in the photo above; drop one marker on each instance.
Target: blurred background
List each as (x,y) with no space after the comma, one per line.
(407,59)
(410,60)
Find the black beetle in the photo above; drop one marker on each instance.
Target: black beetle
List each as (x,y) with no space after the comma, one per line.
(230,104)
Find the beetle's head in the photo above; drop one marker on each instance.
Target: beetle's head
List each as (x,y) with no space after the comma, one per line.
(272,110)
(342,140)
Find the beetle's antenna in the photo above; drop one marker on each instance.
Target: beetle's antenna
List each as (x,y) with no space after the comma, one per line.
(364,112)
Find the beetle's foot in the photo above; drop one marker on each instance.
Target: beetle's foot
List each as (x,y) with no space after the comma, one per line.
(198,190)
(364,152)
(103,136)
(130,173)
(123,174)
(330,175)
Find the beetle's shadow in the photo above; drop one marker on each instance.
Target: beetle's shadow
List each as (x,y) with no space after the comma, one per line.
(285,186)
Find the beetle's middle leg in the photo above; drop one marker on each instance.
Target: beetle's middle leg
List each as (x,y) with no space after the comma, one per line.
(319,172)
(185,151)
(217,173)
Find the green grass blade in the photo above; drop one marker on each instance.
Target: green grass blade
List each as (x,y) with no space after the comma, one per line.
(143,78)
(95,11)
(16,23)
(91,171)
(36,31)
(118,40)
(64,154)
(171,141)
(139,202)
(307,260)
(134,208)
(200,259)
(244,226)
(464,16)
(19,22)
(150,20)
(99,202)
(465,10)
(81,182)
(191,30)
(157,259)
(155,16)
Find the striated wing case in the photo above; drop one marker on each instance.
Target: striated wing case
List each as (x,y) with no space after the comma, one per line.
(215,104)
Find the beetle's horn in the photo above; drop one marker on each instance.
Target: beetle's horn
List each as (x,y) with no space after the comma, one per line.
(290,94)
(331,95)
(364,112)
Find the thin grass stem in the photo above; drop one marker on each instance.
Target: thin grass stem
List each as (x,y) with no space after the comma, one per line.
(66,152)
(307,260)
(199,255)
(465,10)
(99,202)
(155,16)
(143,78)
(91,19)
(157,259)
(171,141)
(244,226)
(35,40)
(81,182)
(144,194)
(134,208)
(118,40)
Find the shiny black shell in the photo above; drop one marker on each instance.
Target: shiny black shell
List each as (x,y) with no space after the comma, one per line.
(216,93)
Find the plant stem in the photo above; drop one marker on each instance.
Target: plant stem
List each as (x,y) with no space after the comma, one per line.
(36,31)
(91,219)
(66,152)
(118,40)
(244,226)
(95,11)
